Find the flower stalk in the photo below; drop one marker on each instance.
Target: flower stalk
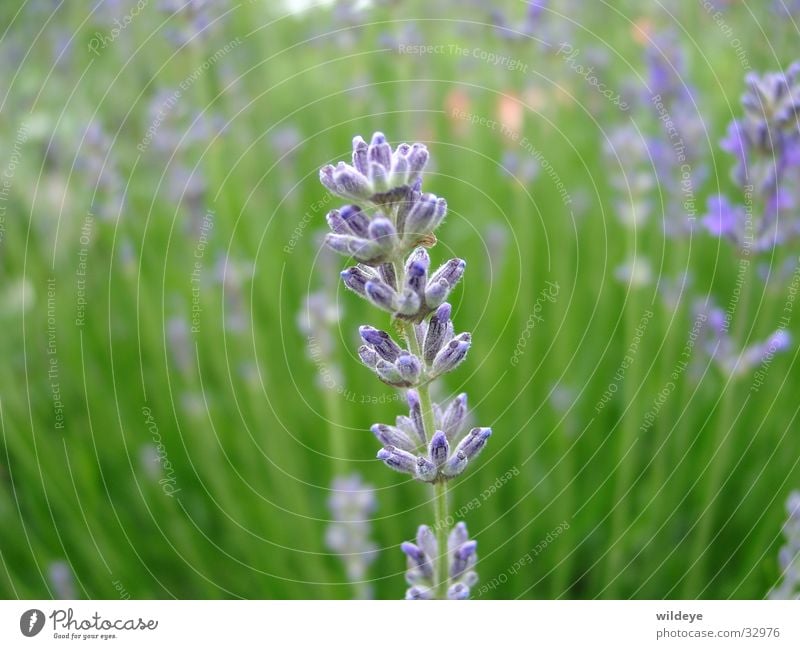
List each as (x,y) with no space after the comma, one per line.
(387,227)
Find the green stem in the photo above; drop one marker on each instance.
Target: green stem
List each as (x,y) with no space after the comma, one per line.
(440,507)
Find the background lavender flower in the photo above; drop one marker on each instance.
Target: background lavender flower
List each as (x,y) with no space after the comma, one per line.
(677,147)
(97,161)
(351,504)
(191,20)
(766,145)
(62,580)
(352,501)
(789,555)
(719,345)
(626,151)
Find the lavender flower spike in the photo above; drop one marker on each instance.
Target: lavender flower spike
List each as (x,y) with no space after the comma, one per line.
(387,229)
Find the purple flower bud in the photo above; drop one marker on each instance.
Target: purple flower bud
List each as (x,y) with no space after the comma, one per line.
(417,159)
(345,181)
(380,151)
(786,558)
(439,333)
(388,373)
(408,303)
(363,250)
(451,271)
(452,354)
(415,412)
(404,205)
(469,578)
(460,559)
(453,419)
(326,178)
(386,348)
(400,164)
(439,448)
(387,275)
(458,591)
(420,592)
(409,367)
(436,293)
(407,426)
(368,356)
(398,459)
(379,176)
(340,243)
(381,295)
(426,540)
(360,155)
(351,183)
(355,219)
(793,506)
(417,274)
(417,558)
(457,537)
(391,436)
(426,470)
(455,464)
(424,216)
(419,256)
(474,442)
(336,223)
(382,231)
(413,552)
(355,278)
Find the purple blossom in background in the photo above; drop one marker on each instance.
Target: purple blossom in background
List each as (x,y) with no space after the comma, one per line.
(186,187)
(178,343)
(677,147)
(62,580)
(789,554)
(351,504)
(232,275)
(176,126)
(766,145)
(527,27)
(97,162)
(523,169)
(632,177)
(150,461)
(635,273)
(285,141)
(786,8)
(717,342)
(191,20)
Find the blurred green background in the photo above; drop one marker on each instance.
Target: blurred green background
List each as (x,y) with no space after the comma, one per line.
(159,235)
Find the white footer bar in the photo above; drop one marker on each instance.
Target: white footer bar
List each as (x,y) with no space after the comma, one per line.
(406,625)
